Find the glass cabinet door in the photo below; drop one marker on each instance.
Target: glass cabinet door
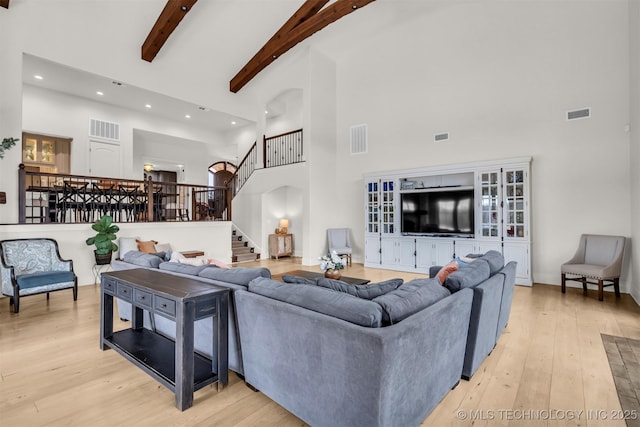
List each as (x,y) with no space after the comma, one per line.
(373,219)
(515,200)
(489,204)
(387,205)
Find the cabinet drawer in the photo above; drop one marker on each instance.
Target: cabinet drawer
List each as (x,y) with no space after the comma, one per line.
(164,305)
(142,298)
(124,292)
(109,285)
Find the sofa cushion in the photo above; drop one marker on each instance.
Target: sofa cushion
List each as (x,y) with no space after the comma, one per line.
(478,271)
(410,298)
(43,278)
(368,291)
(142,259)
(321,300)
(183,268)
(495,261)
(237,275)
(297,279)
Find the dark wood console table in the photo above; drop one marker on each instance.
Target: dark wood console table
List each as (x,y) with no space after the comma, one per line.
(172,363)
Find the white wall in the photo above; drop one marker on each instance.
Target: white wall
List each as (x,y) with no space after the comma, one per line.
(634,158)
(499,76)
(212,237)
(291,118)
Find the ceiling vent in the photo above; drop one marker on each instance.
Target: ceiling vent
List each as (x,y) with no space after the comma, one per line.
(582,113)
(104,130)
(441,137)
(358,139)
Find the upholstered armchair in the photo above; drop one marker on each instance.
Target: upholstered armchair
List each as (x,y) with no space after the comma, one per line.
(340,242)
(598,257)
(34,266)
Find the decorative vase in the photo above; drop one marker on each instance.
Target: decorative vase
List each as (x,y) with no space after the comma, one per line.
(332,274)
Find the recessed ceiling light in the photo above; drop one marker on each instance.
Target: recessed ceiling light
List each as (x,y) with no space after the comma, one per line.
(99,93)
(147,105)
(266,111)
(233,123)
(186,116)
(37,77)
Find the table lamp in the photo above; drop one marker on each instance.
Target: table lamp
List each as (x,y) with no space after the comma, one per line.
(284,225)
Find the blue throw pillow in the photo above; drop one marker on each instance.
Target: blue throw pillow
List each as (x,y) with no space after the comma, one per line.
(410,298)
(369,291)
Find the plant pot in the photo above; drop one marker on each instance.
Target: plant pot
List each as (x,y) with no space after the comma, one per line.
(332,274)
(102,259)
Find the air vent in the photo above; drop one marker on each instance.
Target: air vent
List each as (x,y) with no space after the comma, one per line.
(582,113)
(358,139)
(104,130)
(441,137)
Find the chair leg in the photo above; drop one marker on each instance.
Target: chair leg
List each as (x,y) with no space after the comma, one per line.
(600,290)
(564,283)
(16,303)
(47,296)
(584,285)
(75,289)
(616,286)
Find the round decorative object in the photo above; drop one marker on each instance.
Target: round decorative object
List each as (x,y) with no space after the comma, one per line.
(332,274)
(102,259)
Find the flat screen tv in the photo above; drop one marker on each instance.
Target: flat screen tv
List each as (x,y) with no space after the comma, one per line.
(438,213)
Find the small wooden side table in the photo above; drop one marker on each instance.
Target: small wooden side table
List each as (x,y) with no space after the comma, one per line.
(280,245)
(192,254)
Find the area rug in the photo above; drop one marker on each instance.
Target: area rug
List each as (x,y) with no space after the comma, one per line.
(624,360)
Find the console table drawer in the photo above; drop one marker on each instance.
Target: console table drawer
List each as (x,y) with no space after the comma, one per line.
(125,292)
(164,305)
(110,286)
(142,298)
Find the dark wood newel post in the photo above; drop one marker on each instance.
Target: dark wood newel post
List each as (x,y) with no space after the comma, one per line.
(193,204)
(150,196)
(264,151)
(22,194)
(229,199)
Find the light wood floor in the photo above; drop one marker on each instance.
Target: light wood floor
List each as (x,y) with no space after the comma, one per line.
(550,358)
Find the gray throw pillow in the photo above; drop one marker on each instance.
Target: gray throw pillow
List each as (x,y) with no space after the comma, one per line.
(368,291)
(410,298)
(297,279)
(236,275)
(478,271)
(142,259)
(495,261)
(176,267)
(336,304)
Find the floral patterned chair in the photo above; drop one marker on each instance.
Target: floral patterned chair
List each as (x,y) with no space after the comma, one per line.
(34,266)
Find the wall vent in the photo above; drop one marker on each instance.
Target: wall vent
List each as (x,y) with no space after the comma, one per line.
(104,130)
(441,136)
(358,139)
(582,113)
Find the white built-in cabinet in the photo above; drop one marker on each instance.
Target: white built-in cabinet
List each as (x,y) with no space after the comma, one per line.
(501,216)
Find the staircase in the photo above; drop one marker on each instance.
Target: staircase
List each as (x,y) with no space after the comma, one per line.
(241,251)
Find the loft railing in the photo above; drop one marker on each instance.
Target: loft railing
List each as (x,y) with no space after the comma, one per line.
(283,149)
(62,198)
(279,150)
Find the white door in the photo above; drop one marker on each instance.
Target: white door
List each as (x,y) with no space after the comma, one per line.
(105,159)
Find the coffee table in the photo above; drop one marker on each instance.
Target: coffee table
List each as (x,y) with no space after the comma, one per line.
(313,275)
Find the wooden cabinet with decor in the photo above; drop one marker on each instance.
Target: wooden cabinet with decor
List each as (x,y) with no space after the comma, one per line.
(45,153)
(280,245)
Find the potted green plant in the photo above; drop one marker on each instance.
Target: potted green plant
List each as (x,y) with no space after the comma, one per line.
(103,240)
(7,143)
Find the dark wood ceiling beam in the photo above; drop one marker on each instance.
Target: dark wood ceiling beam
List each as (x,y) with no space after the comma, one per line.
(4,3)
(309,19)
(168,20)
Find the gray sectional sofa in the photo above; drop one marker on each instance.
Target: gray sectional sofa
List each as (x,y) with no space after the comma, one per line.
(334,354)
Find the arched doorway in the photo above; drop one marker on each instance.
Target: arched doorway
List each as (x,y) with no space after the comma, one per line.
(221,173)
